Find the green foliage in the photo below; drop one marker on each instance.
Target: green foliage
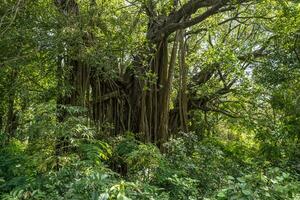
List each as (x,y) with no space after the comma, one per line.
(81,176)
(143,161)
(243,101)
(188,170)
(14,166)
(271,183)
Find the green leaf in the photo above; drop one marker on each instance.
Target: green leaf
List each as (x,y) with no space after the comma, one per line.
(246,192)
(222,194)
(241,180)
(121,196)
(104,196)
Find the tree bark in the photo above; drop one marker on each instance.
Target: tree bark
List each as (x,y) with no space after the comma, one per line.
(12,121)
(183,98)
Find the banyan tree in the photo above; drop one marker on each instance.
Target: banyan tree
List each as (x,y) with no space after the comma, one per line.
(138,98)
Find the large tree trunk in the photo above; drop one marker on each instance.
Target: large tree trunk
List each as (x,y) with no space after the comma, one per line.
(155,99)
(153,105)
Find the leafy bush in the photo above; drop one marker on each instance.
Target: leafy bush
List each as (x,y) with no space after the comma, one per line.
(273,183)
(144,161)
(80,179)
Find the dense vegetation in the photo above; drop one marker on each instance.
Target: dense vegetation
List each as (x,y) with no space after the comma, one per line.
(149,99)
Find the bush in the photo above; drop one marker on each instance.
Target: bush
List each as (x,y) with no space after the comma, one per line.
(272,183)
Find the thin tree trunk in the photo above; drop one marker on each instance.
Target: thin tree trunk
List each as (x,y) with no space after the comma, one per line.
(11,121)
(183,99)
